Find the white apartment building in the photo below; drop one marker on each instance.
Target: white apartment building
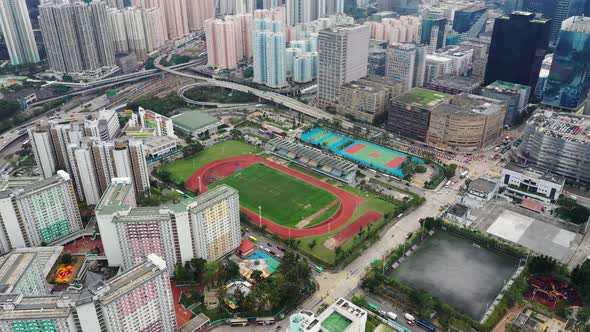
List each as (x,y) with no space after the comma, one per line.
(207,226)
(43,150)
(38,213)
(532,182)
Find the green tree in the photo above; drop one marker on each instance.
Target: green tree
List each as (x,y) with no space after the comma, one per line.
(428,223)
(359,300)
(312,244)
(257,276)
(450,171)
(66,259)
(581,278)
(248,72)
(542,264)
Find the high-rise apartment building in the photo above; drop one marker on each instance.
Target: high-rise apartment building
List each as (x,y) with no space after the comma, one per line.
(139,299)
(268,52)
(404,29)
(25,270)
(406,63)
(175,12)
(198,12)
(299,11)
(207,226)
(136,36)
(39,213)
(519,43)
(16,28)
(43,150)
(78,37)
(156,32)
(228,40)
(343,58)
(568,82)
(104,125)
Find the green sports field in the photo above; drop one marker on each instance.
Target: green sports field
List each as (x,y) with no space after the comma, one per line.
(284,199)
(182,169)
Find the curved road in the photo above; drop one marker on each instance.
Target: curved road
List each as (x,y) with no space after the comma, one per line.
(288,102)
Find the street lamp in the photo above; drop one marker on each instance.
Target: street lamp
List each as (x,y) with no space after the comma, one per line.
(260,216)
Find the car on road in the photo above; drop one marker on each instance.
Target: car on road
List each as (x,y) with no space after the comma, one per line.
(277,328)
(269,244)
(410,322)
(280,248)
(409,235)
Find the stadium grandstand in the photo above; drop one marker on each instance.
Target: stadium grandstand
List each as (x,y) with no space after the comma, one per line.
(313,159)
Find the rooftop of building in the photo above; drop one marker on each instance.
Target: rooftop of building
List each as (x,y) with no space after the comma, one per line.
(133,278)
(524,14)
(458,210)
(33,307)
(33,187)
(503,86)
(535,172)
(14,265)
(193,120)
(115,196)
(467,103)
(483,185)
(11,182)
(209,197)
(423,98)
(338,317)
(566,126)
(457,82)
(344,28)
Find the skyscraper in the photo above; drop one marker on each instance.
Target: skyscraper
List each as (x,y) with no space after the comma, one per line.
(222,48)
(198,12)
(176,18)
(557,11)
(569,82)
(268,50)
(17,32)
(136,36)
(519,43)
(299,11)
(406,63)
(343,57)
(40,212)
(78,37)
(432,31)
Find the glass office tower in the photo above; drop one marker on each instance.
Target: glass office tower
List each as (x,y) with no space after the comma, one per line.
(568,82)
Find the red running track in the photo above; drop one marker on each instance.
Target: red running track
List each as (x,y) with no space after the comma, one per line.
(355,227)
(219,169)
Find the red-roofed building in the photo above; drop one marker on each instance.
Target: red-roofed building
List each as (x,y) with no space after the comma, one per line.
(246,248)
(532,205)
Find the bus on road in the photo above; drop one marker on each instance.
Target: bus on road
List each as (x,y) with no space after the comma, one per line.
(238,322)
(265,320)
(426,325)
(373,307)
(319,268)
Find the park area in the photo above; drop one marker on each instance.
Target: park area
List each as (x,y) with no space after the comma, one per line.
(283,199)
(381,158)
(457,271)
(324,219)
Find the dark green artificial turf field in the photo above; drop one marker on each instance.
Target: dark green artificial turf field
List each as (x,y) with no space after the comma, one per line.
(284,199)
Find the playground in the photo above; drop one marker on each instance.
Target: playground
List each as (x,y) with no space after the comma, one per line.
(282,198)
(383,159)
(550,291)
(457,271)
(224,168)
